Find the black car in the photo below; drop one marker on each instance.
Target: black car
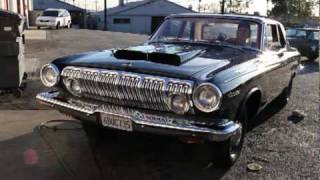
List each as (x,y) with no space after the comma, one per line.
(306,40)
(200,77)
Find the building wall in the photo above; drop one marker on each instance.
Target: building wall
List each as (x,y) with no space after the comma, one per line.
(141,16)
(138,24)
(18,6)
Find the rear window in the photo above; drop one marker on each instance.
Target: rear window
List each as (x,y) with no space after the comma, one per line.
(291,32)
(51,13)
(297,33)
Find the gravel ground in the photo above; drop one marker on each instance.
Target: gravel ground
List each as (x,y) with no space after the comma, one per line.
(285,147)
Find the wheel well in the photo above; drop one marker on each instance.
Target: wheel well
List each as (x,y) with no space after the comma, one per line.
(253,103)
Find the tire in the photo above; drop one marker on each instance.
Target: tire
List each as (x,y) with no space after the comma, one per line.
(58,25)
(38,27)
(226,153)
(17,93)
(286,93)
(312,58)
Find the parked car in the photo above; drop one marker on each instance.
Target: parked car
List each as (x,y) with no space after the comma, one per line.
(306,40)
(200,77)
(54,18)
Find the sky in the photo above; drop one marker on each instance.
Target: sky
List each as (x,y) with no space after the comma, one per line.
(256,6)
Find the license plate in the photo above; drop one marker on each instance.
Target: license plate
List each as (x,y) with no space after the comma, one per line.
(116,122)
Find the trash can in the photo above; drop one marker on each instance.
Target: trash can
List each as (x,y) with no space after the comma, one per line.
(12,67)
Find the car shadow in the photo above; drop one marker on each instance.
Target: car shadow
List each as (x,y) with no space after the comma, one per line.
(145,156)
(71,154)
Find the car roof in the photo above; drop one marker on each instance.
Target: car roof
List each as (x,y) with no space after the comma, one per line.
(260,19)
(306,29)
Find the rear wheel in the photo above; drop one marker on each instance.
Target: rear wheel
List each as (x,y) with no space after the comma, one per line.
(226,153)
(312,58)
(38,27)
(58,25)
(286,93)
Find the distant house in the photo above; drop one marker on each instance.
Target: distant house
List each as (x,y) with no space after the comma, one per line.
(18,6)
(78,14)
(141,17)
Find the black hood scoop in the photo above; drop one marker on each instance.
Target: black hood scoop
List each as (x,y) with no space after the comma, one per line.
(156,57)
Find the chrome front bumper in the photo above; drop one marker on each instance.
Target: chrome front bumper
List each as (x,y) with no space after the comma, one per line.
(46,24)
(143,121)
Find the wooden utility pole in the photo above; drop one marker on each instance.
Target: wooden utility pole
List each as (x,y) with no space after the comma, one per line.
(105,15)
(223,2)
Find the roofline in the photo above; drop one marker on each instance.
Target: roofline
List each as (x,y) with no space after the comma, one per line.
(258,19)
(310,29)
(148,2)
(59,1)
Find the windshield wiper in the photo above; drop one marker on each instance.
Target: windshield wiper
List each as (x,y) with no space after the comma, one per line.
(173,40)
(241,48)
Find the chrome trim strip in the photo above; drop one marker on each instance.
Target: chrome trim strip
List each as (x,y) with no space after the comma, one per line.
(127,88)
(139,118)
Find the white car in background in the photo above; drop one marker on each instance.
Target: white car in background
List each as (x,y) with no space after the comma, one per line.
(54,18)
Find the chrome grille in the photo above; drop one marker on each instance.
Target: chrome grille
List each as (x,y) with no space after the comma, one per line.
(129,89)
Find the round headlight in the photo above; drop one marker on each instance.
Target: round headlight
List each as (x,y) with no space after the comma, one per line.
(50,75)
(73,86)
(179,103)
(207,97)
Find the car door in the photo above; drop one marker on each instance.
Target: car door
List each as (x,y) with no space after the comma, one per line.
(276,64)
(65,21)
(313,43)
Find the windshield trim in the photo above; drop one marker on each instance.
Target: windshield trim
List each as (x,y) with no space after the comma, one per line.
(241,48)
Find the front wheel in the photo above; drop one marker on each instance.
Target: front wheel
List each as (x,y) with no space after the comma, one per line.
(226,153)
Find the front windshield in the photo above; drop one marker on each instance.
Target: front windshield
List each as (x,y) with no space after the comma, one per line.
(51,13)
(224,31)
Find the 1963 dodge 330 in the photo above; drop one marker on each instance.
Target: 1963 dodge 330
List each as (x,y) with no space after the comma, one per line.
(199,76)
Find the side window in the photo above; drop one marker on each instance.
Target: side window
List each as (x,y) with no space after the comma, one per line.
(272,41)
(281,37)
(61,13)
(316,35)
(301,34)
(178,29)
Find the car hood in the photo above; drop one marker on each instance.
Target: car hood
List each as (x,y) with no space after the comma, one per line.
(189,61)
